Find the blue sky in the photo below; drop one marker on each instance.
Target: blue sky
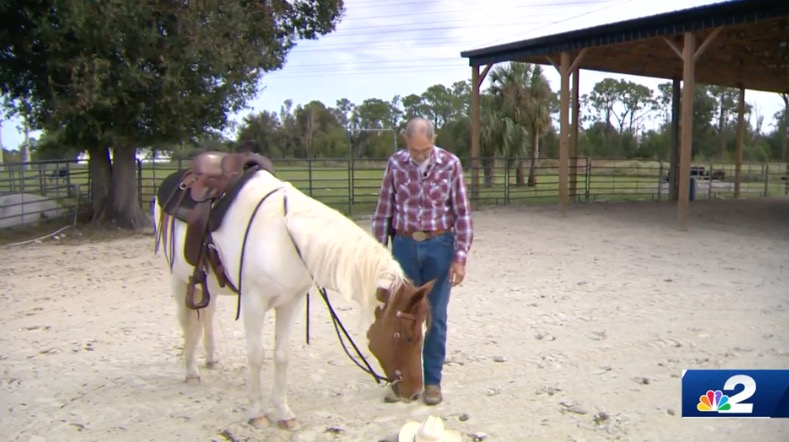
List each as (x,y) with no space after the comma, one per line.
(384,48)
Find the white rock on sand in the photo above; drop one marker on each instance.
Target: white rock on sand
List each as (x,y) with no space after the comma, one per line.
(593,318)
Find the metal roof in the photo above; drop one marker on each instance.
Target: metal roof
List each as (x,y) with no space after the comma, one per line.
(756,35)
(745,15)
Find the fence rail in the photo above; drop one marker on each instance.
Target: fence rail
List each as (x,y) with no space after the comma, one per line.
(352,185)
(42,190)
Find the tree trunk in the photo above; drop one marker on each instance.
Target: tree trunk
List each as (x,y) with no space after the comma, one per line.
(785,97)
(487,168)
(721,137)
(125,205)
(26,147)
(100,172)
(535,147)
(786,151)
(114,188)
(520,178)
(2,151)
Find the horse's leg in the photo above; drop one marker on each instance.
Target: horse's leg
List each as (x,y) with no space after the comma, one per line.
(284,321)
(207,316)
(254,313)
(190,326)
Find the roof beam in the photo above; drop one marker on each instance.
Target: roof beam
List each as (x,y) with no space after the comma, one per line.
(703,47)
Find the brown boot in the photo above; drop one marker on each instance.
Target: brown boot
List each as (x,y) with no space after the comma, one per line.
(432,395)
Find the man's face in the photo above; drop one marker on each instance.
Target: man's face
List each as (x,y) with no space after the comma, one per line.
(419,145)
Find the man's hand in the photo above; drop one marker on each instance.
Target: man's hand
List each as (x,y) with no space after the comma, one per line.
(457,272)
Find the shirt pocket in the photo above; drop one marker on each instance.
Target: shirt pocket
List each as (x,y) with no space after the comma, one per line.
(402,187)
(438,191)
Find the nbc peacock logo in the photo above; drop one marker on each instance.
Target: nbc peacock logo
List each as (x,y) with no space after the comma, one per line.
(713,401)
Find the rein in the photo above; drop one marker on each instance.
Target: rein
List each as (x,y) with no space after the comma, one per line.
(338,326)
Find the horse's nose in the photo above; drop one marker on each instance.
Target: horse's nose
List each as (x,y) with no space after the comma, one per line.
(415,396)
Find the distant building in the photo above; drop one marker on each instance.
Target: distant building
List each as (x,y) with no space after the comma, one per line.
(143,154)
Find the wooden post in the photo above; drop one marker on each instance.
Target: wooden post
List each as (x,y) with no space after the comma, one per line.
(564,131)
(475,136)
(674,157)
(740,137)
(689,55)
(685,154)
(574,136)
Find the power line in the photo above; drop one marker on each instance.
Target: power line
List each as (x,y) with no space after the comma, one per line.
(421,66)
(619,3)
(382,29)
(375,4)
(396,62)
(405,69)
(464,21)
(400,30)
(450,43)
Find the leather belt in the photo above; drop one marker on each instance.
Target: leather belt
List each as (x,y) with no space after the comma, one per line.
(421,235)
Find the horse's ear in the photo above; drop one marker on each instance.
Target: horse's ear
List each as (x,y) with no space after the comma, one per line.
(421,293)
(382,295)
(427,287)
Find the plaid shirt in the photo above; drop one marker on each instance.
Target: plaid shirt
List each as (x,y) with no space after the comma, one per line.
(437,201)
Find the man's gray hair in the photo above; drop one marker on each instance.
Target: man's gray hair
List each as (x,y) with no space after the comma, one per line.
(420,125)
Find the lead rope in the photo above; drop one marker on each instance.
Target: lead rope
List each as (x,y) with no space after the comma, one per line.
(337,327)
(336,322)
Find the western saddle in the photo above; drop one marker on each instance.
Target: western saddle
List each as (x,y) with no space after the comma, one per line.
(201,196)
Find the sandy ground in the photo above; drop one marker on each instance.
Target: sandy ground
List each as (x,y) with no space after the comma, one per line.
(573,329)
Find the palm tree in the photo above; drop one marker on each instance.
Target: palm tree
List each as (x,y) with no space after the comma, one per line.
(492,137)
(521,96)
(538,115)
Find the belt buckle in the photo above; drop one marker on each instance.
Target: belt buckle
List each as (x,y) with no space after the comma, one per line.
(419,236)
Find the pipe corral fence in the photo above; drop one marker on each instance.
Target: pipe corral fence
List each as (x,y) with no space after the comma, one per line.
(35,191)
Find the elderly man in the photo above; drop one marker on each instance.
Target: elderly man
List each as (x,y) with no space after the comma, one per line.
(424,208)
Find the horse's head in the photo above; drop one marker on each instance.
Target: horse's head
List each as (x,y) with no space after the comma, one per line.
(395,338)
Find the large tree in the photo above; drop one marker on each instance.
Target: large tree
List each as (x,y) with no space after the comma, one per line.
(131,74)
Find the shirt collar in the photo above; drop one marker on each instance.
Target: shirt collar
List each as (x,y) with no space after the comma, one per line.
(435,156)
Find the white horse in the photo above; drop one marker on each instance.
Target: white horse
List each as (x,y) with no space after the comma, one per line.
(334,250)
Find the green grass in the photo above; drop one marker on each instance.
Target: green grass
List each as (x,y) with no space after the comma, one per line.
(328,181)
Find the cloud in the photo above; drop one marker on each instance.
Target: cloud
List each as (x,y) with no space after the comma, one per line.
(384,48)
(404,47)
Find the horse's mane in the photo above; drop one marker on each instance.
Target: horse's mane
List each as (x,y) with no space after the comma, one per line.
(340,254)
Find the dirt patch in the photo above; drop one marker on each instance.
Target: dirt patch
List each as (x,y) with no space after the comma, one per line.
(572,328)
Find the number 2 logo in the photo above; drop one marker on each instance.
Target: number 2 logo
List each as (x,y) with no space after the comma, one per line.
(749,388)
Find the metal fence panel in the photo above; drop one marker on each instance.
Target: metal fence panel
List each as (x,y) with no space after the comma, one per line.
(35,191)
(42,191)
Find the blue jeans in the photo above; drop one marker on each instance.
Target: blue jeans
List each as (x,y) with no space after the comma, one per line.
(422,262)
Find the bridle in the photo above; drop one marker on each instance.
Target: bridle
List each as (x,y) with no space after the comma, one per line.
(397,336)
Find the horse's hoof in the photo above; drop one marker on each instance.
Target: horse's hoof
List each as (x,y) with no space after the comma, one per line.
(211,364)
(192,379)
(289,424)
(260,422)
